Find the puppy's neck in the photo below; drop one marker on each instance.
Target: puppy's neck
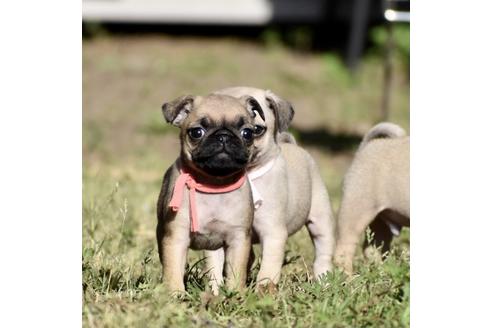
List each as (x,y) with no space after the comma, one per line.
(204,178)
(266,156)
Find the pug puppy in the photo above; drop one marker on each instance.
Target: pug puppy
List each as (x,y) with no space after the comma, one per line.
(205,201)
(290,192)
(375,192)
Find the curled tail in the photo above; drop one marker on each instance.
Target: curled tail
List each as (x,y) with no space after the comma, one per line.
(382,130)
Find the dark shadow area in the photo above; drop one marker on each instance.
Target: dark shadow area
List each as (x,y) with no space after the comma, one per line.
(333,31)
(326,140)
(305,37)
(90,30)
(383,236)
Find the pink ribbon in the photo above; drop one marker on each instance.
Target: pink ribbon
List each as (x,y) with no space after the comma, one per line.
(185,179)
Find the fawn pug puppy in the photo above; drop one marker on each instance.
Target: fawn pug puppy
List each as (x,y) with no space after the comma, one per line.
(287,189)
(205,201)
(375,192)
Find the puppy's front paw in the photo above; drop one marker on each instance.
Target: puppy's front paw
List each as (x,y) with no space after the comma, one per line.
(344,263)
(321,269)
(174,286)
(268,288)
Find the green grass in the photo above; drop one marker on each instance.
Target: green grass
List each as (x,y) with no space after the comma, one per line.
(121,273)
(127,147)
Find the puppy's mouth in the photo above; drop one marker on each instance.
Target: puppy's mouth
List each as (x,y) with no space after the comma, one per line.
(220,158)
(221,163)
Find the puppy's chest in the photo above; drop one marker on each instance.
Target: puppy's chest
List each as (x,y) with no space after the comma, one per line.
(217,212)
(209,208)
(218,216)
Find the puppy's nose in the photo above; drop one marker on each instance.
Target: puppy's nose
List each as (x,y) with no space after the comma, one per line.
(223,136)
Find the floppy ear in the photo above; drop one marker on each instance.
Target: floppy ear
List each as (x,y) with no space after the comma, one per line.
(283,110)
(253,106)
(177,110)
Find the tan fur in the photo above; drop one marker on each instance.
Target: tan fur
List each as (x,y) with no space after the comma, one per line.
(375,191)
(286,137)
(293,191)
(224,219)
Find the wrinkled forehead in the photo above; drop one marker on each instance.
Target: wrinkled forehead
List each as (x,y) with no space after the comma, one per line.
(221,109)
(238,92)
(260,97)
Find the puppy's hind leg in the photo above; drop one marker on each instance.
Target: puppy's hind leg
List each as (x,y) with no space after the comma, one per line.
(215,268)
(321,227)
(356,213)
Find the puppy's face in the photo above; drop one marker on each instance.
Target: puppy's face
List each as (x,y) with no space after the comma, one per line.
(217,132)
(278,113)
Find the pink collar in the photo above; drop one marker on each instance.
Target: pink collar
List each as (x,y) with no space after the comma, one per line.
(187,179)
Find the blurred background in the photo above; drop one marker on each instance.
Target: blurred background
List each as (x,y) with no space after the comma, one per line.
(343,64)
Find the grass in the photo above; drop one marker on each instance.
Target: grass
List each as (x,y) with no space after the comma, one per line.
(121,275)
(127,147)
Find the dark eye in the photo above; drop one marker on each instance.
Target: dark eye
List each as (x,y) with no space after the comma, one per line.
(196,133)
(247,134)
(259,130)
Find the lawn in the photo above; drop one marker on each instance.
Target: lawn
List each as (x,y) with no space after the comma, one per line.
(127,146)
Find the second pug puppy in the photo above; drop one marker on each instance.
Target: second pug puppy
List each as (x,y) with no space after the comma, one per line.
(375,192)
(288,191)
(205,200)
